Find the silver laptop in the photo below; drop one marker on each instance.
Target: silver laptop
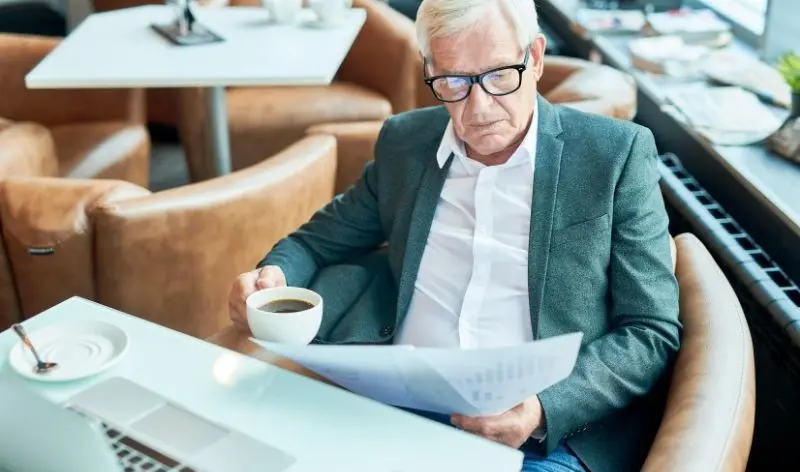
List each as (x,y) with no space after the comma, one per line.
(119,426)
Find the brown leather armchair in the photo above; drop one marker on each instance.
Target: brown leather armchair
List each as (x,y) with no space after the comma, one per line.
(167,257)
(707,423)
(95,133)
(377,77)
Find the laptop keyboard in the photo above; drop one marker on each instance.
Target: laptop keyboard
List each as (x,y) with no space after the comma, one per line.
(136,457)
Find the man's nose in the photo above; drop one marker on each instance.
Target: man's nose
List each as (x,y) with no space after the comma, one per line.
(478,99)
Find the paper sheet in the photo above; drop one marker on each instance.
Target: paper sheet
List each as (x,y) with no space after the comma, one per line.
(469,382)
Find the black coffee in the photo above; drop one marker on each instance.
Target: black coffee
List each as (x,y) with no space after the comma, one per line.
(287,305)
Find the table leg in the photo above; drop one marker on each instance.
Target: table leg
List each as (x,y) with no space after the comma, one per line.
(217,135)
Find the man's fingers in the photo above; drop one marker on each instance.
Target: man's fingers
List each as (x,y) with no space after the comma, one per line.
(484,426)
(269,277)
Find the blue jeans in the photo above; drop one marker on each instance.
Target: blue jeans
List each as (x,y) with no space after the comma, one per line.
(562,459)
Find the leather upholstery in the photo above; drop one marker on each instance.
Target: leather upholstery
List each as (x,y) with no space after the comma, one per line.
(104,150)
(355,147)
(19,54)
(67,133)
(590,87)
(384,56)
(97,133)
(265,120)
(48,235)
(708,420)
(170,257)
(27,149)
(167,257)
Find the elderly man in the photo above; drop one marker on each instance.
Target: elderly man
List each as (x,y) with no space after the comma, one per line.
(509,219)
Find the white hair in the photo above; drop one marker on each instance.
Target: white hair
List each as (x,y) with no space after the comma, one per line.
(438,18)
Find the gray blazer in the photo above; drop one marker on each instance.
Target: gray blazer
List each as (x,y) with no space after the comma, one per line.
(599,263)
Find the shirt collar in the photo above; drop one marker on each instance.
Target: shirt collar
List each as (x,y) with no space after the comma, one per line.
(452,144)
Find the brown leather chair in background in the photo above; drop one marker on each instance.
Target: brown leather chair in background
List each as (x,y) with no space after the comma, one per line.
(590,87)
(62,133)
(376,78)
(168,257)
(707,423)
(96,133)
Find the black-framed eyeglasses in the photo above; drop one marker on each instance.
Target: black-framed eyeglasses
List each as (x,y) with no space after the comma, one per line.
(500,81)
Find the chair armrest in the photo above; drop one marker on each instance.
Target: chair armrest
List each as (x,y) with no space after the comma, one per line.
(48,235)
(172,257)
(384,56)
(27,150)
(709,416)
(355,146)
(19,54)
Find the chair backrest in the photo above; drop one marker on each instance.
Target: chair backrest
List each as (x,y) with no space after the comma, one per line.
(587,86)
(709,417)
(48,235)
(355,146)
(387,37)
(172,257)
(19,54)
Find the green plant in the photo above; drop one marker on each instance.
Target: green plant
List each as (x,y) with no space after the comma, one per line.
(789,67)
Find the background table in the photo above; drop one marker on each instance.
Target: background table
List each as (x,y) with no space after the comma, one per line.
(118,49)
(324,426)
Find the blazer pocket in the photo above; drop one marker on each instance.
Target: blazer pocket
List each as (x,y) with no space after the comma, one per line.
(585,231)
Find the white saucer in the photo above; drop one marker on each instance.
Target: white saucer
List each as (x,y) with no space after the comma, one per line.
(81,349)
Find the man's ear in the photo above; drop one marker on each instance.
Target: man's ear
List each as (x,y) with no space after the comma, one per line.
(538,47)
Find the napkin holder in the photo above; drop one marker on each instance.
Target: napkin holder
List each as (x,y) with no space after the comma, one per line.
(186,31)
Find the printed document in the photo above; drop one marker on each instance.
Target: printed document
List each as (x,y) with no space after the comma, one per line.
(473,382)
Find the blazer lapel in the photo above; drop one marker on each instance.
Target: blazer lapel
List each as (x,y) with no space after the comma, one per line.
(545,192)
(430,189)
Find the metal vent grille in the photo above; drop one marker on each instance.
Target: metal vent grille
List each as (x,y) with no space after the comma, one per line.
(751,265)
(770,302)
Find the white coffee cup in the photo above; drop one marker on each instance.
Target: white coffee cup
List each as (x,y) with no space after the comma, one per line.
(284,12)
(330,12)
(297,327)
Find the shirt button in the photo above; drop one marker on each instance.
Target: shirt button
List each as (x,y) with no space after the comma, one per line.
(386,331)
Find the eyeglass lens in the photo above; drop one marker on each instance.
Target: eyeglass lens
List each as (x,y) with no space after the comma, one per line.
(499,82)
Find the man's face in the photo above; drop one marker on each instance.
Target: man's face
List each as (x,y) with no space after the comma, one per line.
(488,124)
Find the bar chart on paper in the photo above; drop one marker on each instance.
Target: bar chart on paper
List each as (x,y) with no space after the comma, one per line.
(468,382)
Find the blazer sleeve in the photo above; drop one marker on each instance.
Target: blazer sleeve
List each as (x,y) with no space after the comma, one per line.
(645,334)
(347,227)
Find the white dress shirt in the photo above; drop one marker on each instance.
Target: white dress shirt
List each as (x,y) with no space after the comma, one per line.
(472,287)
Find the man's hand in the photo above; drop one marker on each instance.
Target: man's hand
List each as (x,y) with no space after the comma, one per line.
(511,428)
(245,285)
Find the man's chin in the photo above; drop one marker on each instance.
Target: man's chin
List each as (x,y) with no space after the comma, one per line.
(488,145)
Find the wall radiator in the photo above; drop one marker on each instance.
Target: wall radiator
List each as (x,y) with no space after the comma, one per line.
(771,303)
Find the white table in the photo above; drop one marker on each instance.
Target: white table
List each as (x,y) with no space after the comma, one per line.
(326,427)
(118,49)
